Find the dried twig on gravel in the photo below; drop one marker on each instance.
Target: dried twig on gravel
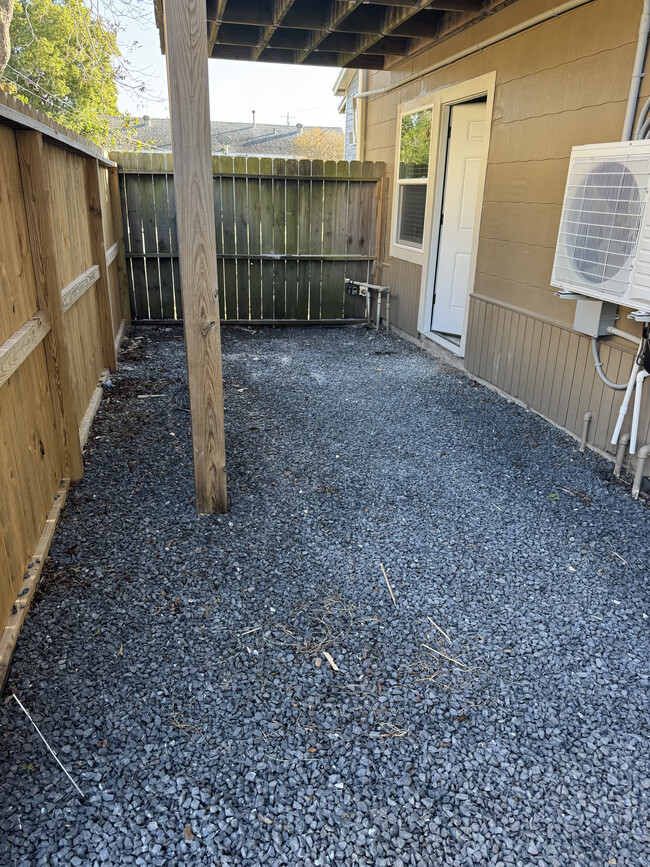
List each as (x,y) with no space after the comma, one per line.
(392,595)
(444,656)
(441,631)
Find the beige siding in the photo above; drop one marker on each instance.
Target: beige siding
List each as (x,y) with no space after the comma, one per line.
(559,84)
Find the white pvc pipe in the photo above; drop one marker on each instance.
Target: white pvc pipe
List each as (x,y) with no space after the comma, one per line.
(479,46)
(620,454)
(637,71)
(586,421)
(644,452)
(637,409)
(618,332)
(625,404)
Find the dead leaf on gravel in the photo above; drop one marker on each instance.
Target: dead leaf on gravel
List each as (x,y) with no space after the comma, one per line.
(188,833)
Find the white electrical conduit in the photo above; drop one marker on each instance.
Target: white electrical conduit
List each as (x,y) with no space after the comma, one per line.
(643,374)
(637,71)
(617,386)
(626,402)
(555,12)
(620,333)
(643,116)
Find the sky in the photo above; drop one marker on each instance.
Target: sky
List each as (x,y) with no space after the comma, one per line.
(236,88)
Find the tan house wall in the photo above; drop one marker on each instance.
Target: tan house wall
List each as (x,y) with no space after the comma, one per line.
(559,84)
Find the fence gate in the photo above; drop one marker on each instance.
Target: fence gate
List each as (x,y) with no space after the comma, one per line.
(288,233)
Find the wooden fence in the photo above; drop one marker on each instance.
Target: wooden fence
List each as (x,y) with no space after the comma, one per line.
(63,305)
(288,233)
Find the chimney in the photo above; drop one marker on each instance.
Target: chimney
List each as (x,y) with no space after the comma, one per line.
(146,120)
(253,118)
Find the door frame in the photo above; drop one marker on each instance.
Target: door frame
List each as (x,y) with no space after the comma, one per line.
(442,102)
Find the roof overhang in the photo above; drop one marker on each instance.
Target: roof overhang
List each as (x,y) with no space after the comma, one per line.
(346,33)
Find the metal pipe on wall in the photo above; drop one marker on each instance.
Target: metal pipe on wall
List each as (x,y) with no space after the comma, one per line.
(555,12)
(637,72)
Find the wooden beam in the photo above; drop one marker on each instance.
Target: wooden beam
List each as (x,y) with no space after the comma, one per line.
(118,234)
(71,293)
(43,240)
(394,18)
(10,634)
(96,226)
(281,8)
(187,76)
(457,5)
(22,343)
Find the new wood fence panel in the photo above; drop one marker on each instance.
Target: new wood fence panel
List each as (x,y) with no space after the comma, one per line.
(288,233)
(18,295)
(57,216)
(53,227)
(30,461)
(70,218)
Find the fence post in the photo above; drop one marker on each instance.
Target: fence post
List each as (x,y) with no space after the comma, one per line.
(42,239)
(118,234)
(96,227)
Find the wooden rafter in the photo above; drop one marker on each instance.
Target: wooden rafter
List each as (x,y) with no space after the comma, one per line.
(352,33)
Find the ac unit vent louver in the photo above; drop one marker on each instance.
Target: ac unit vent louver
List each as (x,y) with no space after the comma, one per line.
(603,247)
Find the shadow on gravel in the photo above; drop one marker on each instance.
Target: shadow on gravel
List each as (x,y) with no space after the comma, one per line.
(252,689)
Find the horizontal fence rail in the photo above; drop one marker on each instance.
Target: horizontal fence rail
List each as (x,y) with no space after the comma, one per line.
(288,234)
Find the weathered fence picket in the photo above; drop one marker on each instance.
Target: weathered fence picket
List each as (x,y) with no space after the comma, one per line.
(288,233)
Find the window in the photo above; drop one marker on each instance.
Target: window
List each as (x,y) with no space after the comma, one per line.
(414,150)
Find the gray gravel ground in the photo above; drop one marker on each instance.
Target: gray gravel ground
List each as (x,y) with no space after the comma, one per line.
(173,661)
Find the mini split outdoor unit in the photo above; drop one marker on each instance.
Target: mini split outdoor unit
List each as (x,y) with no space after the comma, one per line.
(603,247)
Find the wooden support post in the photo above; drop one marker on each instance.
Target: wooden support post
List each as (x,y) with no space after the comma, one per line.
(96,226)
(187,76)
(118,234)
(43,241)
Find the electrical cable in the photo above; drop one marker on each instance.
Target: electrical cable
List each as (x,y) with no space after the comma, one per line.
(599,367)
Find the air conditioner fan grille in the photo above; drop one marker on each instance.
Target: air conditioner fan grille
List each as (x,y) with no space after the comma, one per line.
(601,222)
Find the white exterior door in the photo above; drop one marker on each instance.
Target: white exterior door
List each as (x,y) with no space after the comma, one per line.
(460,197)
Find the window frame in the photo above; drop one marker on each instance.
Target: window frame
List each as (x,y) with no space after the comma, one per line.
(401,249)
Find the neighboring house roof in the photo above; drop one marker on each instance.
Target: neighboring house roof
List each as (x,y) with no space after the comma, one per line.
(240,138)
